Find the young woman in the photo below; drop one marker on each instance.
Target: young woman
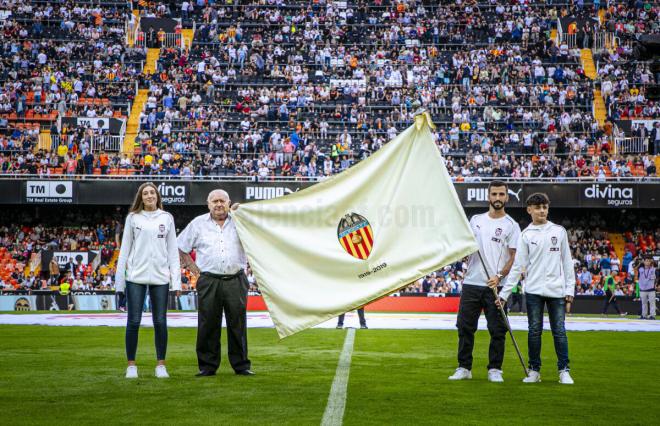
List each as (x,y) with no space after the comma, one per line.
(148,260)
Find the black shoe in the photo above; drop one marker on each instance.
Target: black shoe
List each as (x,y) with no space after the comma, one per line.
(652,318)
(364,326)
(641,317)
(245,373)
(205,374)
(340,326)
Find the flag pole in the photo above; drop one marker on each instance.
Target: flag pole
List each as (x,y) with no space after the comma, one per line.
(422,116)
(505,318)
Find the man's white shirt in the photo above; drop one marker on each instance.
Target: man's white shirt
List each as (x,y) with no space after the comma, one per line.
(495,237)
(218,248)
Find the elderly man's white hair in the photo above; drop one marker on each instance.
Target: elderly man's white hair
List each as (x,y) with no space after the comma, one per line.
(216,192)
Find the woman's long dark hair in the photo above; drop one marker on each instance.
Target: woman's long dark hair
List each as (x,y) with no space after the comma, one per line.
(138,204)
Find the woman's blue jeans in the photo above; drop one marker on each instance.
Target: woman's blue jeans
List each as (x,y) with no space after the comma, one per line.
(135,295)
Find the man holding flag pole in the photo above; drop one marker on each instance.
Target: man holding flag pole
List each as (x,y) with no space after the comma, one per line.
(497,235)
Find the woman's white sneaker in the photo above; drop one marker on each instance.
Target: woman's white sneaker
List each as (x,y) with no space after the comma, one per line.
(565,378)
(461,374)
(131,372)
(532,377)
(495,375)
(161,372)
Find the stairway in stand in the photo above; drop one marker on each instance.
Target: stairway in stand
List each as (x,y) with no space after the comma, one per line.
(588,63)
(133,124)
(153,53)
(600,112)
(187,34)
(44,139)
(618,243)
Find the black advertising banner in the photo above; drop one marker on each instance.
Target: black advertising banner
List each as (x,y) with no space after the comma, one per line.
(649,195)
(10,192)
(194,193)
(49,192)
(569,195)
(123,192)
(609,195)
(183,192)
(476,194)
(561,195)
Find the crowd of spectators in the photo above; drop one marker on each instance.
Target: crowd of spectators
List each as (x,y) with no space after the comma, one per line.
(360,74)
(625,79)
(22,245)
(68,58)
(338,81)
(304,90)
(309,163)
(593,253)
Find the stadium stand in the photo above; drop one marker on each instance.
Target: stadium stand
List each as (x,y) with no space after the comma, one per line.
(303,90)
(321,85)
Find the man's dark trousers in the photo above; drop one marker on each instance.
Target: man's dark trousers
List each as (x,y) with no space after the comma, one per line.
(218,293)
(473,300)
(360,311)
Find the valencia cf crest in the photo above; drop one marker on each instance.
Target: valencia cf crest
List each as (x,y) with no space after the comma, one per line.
(498,232)
(161,227)
(554,241)
(355,235)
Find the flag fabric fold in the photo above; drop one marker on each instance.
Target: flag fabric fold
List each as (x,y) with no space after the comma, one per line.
(358,236)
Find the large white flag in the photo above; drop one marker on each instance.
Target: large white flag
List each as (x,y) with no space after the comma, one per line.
(358,236)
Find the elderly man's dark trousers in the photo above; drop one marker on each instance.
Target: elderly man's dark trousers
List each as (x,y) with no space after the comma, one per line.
(218,294)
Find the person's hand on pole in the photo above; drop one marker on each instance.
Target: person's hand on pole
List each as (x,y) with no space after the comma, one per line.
(499,302)
(569,299)
(493,281)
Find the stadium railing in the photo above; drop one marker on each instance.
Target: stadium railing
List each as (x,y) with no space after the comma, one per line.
(233,178)
(631,145)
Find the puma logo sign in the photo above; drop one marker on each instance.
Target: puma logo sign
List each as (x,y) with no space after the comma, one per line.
(515,194)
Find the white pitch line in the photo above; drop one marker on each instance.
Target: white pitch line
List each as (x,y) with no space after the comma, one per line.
(334,411)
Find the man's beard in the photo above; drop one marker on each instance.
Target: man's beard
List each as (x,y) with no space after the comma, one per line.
(499,206)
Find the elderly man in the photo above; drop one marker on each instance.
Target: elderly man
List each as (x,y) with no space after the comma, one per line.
(222,285)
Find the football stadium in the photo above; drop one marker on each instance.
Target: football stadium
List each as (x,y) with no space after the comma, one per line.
(329,212)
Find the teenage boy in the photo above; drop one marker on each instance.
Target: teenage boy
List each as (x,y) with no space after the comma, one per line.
(544,253)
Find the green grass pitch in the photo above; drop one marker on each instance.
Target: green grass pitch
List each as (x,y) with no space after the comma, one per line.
(74,375)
